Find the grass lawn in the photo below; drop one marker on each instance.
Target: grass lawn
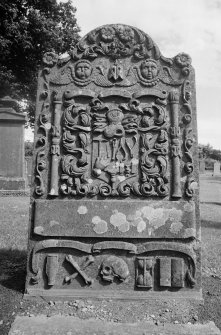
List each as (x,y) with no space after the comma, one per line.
(13,243)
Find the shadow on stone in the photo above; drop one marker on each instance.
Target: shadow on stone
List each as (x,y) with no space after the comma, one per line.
(216,225)
(13,269)
(211,203)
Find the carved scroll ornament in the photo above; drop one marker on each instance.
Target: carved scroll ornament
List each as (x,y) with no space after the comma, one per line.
(114,136)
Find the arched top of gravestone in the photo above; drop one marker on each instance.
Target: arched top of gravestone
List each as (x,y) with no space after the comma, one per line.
(119,44)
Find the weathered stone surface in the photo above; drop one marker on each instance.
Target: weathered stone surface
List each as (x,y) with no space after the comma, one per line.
(57,325)
(115,209)
(12,169)
(115,219)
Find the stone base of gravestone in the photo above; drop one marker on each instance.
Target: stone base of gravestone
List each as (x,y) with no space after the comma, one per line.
(74,326)
(12,165)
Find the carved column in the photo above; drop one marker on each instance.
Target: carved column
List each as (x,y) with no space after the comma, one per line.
(175,144)
(55,148)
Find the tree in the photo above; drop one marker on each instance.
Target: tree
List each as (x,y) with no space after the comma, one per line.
(29,147)
(28,29)
(208,152)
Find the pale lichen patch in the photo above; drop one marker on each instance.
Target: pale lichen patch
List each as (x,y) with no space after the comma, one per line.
(176,227)
(141,226)
(100,226)
(188,207)
(119,220)
(53,223)
(82,210)
(189,232)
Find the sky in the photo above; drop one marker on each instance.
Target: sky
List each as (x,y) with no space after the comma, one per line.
(190,26)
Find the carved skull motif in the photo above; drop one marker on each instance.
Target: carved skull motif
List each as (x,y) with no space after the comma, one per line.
(113,267)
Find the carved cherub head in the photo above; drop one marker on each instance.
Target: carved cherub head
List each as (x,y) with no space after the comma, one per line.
(83,69)
(149,69)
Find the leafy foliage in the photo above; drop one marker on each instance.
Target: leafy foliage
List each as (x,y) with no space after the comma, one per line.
(28,29)
(207,152)
(29,148)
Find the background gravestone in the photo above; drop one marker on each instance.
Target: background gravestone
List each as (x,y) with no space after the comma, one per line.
(202,165)
(216,168)
(114,212)
(202,160)
(12,167)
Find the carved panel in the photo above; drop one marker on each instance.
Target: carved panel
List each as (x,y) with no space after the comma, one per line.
(115,195)
(116,149)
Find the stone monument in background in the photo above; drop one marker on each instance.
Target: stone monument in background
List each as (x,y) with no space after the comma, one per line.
(115,202)
(12,159)
(202,161)
(216,168)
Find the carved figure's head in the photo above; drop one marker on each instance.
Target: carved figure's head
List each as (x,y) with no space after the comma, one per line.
(113,267)
(83,69)
(149,69)
(115,116)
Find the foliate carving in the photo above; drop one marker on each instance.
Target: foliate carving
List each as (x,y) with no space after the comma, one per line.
(76,142)
(113,135)
(190,186)
(114,267)
(188,143)
(118,42)
(186,94)
(188,139)
(50,59)
(41,143)
(183,60)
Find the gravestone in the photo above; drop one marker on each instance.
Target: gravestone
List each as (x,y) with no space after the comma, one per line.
(12,164)
(28,161)
(202,165)
(202,162)
(115,202)
(216,168)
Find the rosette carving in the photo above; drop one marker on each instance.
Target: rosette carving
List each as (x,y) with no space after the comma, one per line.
(183,61)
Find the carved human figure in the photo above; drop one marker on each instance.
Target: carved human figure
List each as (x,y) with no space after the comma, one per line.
(149,69)
(83,69)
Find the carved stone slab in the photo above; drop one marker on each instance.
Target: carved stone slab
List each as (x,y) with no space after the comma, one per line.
(115,187)
(116,219)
